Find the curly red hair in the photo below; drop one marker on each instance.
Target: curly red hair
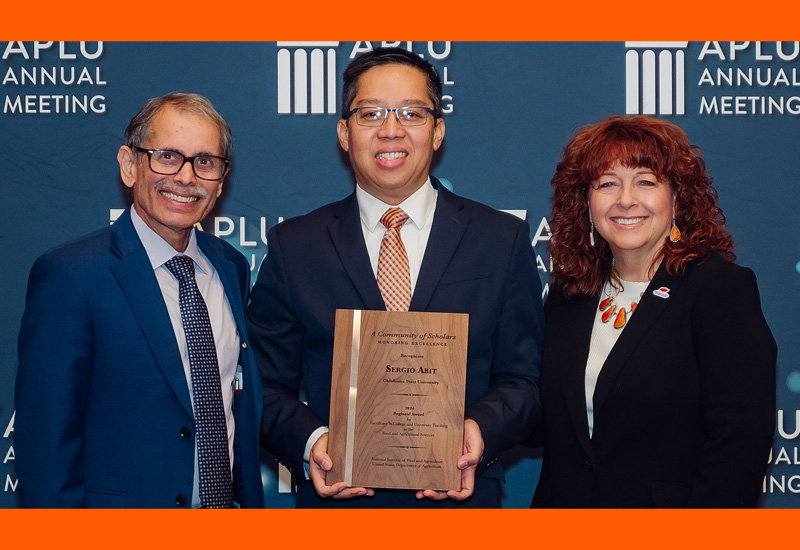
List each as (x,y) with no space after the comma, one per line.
(581,269)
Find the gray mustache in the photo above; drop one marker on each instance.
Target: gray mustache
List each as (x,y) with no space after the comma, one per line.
(169,187)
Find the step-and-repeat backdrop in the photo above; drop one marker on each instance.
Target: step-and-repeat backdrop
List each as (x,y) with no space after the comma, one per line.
(509,108)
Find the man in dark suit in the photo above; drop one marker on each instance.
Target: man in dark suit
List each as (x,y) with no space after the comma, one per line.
(136,385)
(461,256)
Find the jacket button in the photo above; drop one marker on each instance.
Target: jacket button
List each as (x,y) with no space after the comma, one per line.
(180,500)
(186,432)
(589,465)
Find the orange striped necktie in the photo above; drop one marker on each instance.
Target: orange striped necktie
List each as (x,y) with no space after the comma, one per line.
(394,277)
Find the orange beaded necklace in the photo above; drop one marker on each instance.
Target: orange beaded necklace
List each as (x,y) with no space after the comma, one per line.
(607,307)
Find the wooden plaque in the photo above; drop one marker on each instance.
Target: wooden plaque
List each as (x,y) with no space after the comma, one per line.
(397,399)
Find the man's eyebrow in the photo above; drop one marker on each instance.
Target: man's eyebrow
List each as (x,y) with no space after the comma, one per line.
(401,102)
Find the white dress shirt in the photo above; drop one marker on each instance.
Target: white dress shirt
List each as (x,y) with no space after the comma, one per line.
(223,325)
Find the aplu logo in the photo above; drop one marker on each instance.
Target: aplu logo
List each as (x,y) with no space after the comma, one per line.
(655,80)
(307,80)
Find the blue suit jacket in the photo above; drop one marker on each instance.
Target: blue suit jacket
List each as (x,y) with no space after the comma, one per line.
(477,261)
(104,417)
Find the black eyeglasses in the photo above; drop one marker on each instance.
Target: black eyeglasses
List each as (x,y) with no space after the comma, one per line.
(376,116)
(168,163)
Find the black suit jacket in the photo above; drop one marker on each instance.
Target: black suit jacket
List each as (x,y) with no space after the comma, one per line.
(477,261)
(684,407)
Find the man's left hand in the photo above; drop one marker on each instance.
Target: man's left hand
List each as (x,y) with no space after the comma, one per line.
(473,450)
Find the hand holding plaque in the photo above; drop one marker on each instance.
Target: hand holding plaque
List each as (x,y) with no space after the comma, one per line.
(319,464)
(397,399)
(468,464)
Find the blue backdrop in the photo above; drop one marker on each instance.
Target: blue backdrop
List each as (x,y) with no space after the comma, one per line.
(509,110)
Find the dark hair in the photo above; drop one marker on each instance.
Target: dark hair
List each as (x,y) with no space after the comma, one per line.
(640,141)
(388,56)
(140,126)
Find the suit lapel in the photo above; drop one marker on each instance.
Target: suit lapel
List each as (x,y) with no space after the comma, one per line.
(139,283)
(647,313)
(226,270)
(348,240)
(229,276)
(573,377)
(449,223)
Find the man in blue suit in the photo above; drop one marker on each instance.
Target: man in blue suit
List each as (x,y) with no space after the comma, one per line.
(462,257)
(110,386)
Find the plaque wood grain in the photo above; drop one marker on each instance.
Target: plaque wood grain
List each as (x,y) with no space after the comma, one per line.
(398,386)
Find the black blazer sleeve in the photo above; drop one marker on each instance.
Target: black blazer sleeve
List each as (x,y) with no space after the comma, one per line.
(737,355)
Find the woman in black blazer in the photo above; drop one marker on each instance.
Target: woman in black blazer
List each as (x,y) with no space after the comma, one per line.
(658,367)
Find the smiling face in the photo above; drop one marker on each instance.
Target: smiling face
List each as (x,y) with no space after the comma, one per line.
(391,161)
(171,205)
(632,209)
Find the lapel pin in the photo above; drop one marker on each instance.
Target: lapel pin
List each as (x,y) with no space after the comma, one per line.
(662,292)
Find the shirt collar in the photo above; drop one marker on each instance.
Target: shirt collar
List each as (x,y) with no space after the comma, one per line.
(419,206)
(160,251)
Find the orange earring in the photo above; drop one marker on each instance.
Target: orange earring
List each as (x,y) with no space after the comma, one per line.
(674,233)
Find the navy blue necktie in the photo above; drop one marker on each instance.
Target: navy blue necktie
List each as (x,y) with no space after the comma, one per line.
(216,490)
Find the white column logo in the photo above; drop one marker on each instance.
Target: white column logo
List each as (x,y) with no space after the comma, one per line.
(307,87)
(650,81)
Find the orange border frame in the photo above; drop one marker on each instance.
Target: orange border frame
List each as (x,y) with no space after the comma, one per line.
(458,21)
(579,20)
(401,529)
